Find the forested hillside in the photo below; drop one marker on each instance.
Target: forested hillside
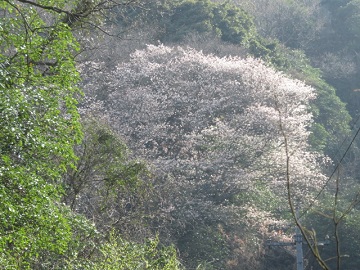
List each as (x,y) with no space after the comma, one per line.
(179,134)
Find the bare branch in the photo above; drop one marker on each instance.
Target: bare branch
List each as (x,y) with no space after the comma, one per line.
(52,8)
(306,234)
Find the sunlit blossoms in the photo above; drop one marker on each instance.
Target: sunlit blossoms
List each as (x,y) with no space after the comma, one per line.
(213,127)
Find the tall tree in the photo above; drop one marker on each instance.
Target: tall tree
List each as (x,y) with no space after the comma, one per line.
(39,124)
(213,128)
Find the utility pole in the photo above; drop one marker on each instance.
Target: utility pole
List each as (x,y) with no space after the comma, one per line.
(299,250)
(298,240)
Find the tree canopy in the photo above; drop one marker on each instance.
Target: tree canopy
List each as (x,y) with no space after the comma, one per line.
(39,126)
(213,128)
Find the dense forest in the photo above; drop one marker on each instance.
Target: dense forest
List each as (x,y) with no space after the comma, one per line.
(179,134)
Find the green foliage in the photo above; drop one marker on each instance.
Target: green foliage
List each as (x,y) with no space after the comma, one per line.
(331,118)
(348,233)
(345,14)
(82,245)
(351,15)
(190,16)
(235,24)
(107,183)
(321,220)
(39,125)
(178,19)
(204,243)
(260,197)
(342,41)
(227,21)
(118,254)
(102,154)
(319,137)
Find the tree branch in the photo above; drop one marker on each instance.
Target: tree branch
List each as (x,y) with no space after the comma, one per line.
(303,230)
(52,8)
